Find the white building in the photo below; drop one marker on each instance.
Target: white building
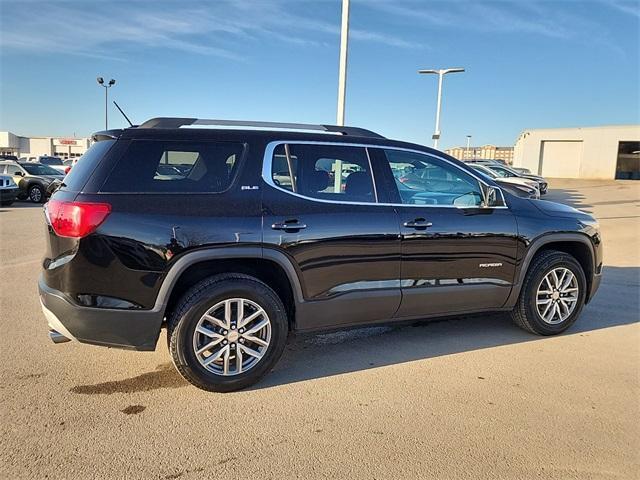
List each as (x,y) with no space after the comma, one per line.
(63,147)
(589,152)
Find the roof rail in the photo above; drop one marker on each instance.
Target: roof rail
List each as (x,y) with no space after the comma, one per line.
(170,122)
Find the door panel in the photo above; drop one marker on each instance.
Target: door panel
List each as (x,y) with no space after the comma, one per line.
(455,255)
(463,261)
(347,254)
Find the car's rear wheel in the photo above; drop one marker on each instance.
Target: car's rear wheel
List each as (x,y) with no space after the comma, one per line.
(36,194)
(552,295)
(227,332)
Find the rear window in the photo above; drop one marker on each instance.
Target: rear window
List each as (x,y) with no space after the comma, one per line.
(150,166)
(80,172)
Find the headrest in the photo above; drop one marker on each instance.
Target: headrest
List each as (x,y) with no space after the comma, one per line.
(358,183)
(317,181)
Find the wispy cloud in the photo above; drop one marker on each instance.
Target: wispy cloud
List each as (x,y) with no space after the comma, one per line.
(545,19)
(222,28)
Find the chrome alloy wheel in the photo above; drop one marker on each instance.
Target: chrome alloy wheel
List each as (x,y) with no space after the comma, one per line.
(232,336)
(557,295)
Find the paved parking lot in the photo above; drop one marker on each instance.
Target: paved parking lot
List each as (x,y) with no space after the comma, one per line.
(463,398)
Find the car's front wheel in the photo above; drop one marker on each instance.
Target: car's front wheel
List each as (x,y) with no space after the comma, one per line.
(552,295)
(227,332)
(36,194)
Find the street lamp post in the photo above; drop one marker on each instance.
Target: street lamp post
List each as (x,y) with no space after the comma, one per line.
(342,73)
(441,73)
(466,155)
(106,86)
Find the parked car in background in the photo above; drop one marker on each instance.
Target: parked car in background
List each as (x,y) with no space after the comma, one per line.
(54,162)
(506,172)
(35,180)
(528,186)
(8,190)
(230,261)
(521,170)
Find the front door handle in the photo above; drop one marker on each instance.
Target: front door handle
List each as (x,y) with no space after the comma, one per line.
(289,226)
(418,224)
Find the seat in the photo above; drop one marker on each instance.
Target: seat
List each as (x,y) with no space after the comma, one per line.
(358,185)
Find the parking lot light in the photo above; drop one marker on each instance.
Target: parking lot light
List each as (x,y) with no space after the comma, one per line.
(441,73)
(111,83)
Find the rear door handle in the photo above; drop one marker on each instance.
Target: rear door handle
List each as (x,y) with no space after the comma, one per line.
(289,226)
(418,224)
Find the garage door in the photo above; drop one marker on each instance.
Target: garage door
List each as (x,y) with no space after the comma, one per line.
(560,159)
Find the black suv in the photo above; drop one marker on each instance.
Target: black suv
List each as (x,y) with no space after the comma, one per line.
(232,237)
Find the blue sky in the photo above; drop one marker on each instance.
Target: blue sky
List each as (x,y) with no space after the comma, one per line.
(529,64)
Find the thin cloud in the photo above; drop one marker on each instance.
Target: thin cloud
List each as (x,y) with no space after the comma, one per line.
(219,29)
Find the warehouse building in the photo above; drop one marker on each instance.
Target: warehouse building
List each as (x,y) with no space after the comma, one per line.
(606,152)
(33,147)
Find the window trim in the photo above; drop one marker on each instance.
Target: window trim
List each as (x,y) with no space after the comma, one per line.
(268,160)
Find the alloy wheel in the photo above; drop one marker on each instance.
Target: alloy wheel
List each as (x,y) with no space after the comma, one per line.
(557,295)
(232,336)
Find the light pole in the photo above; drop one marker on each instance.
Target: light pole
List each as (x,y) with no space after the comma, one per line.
(441,73)
(466,155)
(342,74)
(107,86)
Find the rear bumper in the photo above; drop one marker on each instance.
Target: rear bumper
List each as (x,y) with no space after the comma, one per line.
(131,329)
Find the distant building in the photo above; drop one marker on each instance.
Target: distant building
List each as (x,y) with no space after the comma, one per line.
(587,152)
(486,152)
(63,147)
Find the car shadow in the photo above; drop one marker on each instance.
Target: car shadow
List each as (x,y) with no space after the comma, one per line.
(315,356)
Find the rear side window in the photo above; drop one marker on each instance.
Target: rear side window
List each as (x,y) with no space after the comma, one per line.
(150,166)
(80,172)
(325,172)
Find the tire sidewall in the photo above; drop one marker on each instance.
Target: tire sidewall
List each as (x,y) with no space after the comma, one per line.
(40,189)
(537,276)
(186,324)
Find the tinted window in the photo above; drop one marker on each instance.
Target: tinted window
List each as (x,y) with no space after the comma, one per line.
(79,174)
(174,167)
(39,169)
(424,180)
(326,172)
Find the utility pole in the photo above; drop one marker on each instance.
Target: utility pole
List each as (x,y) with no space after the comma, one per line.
(441,73)
(466,155)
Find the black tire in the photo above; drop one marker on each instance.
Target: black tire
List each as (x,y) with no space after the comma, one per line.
(525,314)
(196,302)
(36,194)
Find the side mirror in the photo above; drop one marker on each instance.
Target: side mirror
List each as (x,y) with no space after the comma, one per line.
(492,197)
(19,174)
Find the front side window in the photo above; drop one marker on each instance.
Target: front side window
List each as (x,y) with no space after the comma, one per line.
(424,180)
(326,172)
(150,166)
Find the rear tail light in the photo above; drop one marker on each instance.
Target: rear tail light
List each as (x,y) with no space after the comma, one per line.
(67,170)
(76,219)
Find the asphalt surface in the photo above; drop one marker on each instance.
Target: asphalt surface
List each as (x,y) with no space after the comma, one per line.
(463,398)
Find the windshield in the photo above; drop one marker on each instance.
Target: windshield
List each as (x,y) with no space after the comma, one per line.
(39,169)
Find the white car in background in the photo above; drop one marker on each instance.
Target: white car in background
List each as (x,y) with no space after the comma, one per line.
(517,181)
